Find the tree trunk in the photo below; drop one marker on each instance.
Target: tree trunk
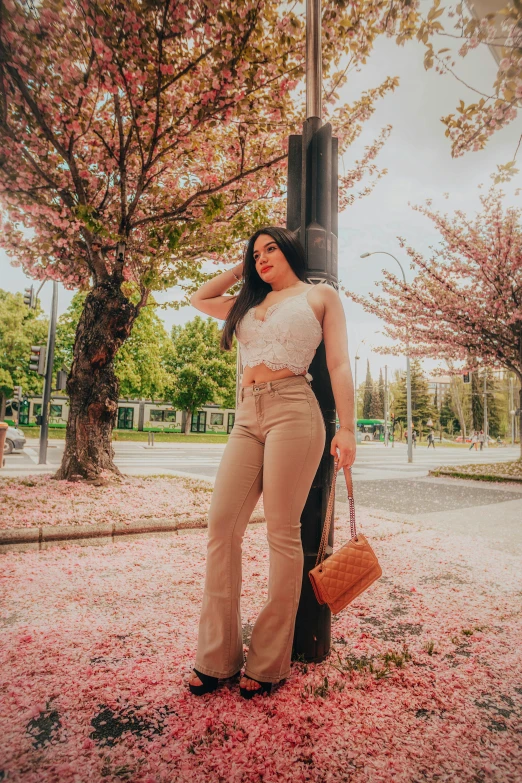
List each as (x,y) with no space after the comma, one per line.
(188,421)
(2,406)
(92,386)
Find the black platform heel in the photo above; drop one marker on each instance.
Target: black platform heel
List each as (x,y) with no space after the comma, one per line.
(208,685)
(266,687)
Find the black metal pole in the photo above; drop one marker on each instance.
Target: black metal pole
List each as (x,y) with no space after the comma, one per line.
(312,214)
(44,427)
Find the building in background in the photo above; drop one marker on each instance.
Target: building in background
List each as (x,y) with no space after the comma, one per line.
(141,415)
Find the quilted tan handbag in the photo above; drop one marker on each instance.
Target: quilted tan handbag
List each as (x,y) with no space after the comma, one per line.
(345,574)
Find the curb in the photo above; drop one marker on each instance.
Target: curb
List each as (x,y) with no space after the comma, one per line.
(476,477)
(48,534)
(44,536)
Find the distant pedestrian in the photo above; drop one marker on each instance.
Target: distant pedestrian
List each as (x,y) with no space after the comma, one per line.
(414,438)
(431,439)
(481,439)
(474,441)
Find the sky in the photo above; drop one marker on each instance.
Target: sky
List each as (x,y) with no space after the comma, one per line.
(419,163)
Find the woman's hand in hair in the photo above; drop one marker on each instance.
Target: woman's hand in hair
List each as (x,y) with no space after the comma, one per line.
(343,447)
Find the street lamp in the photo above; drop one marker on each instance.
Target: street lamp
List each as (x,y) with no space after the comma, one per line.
(408,373)
(357,357)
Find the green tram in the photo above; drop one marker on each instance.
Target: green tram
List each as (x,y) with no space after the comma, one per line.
(371,429)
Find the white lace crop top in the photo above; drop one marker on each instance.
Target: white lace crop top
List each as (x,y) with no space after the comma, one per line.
(287,337)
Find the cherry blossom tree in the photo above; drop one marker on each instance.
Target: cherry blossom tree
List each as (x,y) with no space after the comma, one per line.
(475,122)
(465,304)
(138,140)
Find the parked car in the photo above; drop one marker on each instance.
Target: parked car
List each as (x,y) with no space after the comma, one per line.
(14,439)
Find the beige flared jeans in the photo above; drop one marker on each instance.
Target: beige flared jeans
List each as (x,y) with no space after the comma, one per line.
(275,447)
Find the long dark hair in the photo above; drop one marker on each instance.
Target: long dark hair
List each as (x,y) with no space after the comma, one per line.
(254,289)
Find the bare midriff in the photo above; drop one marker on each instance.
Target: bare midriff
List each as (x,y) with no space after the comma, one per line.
(261,373)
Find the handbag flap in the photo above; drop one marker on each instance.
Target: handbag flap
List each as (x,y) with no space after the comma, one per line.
(355,590)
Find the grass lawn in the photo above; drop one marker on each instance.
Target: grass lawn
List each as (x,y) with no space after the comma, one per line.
(134,435)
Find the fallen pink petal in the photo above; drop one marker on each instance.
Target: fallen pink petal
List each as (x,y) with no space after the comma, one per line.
(40,500)
(423,682)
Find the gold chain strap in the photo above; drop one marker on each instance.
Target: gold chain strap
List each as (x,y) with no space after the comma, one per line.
(351,504)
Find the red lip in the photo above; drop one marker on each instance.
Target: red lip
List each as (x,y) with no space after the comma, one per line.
(265,268)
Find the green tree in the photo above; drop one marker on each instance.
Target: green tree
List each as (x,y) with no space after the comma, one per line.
(461,403)
(66,332)
(395,393)
(201,372)
(381,392)
(140,362)
(477,401)
(494,415)
(376,406)
(436,410)
(421,405)
(368,390)
(20,328)
(449,421)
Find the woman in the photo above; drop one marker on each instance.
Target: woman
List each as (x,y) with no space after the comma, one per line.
(275,447)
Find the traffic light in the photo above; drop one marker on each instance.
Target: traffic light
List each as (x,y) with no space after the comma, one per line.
(17,392)
(29,297)
(37,360)
(466,377)
(61,380)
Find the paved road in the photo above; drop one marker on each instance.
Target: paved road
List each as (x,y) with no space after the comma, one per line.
(384,483)
(374,462)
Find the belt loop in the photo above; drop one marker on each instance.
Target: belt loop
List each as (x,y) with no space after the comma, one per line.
(270,389)
(309,377)
(242,393)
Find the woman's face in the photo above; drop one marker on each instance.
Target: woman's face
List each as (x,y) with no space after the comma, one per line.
(270,262)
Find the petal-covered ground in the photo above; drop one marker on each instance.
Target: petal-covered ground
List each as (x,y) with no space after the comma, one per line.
(493,471)
(424,681)
(40,500)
